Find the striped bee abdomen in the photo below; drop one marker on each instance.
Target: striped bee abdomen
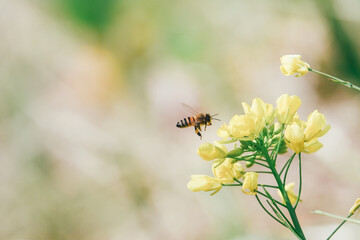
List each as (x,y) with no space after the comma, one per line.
(186,122)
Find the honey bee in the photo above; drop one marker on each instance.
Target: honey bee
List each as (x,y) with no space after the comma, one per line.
(197,120)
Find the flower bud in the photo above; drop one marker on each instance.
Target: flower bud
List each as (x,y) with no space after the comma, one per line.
(208,151)
(355,207)
(291,64)
(250,183)
(204,183)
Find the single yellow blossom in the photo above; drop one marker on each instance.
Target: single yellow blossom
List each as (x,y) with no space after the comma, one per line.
(250,183)
(316,126)
(355,207)
(286,108)
(289,188)
(264,111)
(245,127)
(294,137)
(292,64)
(204,183)
(227,171)
(208,151)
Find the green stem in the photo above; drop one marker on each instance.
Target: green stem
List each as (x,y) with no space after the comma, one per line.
(240,159)
(264,195)
(288,204)
(278,144)
(263,207)
(300,182)
(339,226)
(337,80)
(290,227)
(286,164)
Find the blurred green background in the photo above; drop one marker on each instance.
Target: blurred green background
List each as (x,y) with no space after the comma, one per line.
(91,92)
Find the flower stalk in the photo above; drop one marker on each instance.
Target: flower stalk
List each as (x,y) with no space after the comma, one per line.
(259,140)
(337,80)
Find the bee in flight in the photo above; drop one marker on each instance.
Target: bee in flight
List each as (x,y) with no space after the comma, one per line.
(197,120)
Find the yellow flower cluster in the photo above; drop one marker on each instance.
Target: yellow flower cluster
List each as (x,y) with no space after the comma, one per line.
(249,125)
(256,123)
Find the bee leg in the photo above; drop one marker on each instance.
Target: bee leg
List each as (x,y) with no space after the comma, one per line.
(197,131)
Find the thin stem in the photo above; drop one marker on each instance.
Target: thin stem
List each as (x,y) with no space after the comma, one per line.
(238,181)
(290,227)
(287,169)
(263,172)
(240,159)
(300,182)
(270,186)
(278,209)
(339,226)
(257,198)
(264,195)
(278,144)
(288,162)
(337,80)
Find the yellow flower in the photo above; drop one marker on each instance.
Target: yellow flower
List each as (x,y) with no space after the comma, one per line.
(227,171)
(312,146)
(245,127)
(264,111)
(355,207)
(316,126)
(291,64)
(290,192)
(204,183)
(250,183)
(286,108)
(208,151)
(294,137)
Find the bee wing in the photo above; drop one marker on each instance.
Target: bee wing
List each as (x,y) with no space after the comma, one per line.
(189,109)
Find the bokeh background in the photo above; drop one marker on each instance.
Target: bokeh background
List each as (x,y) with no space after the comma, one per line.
(91,91)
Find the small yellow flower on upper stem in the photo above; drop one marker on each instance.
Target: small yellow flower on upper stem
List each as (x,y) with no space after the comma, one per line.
(208,151)
(227,171)
(250,183)
(245,127)
(316,126)
(204,183)
(289,188)
(292,64)
(355,207)
(286,108)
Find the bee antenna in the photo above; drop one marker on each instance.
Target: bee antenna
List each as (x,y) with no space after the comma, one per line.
(216,119)
(214,115)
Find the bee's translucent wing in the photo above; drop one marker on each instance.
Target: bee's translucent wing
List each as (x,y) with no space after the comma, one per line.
(189,109)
